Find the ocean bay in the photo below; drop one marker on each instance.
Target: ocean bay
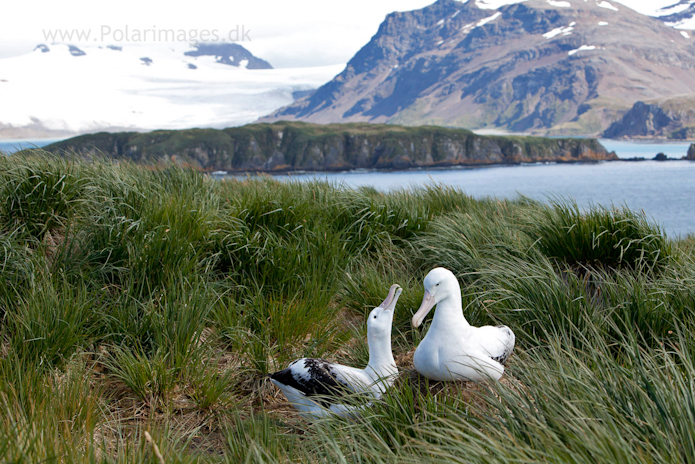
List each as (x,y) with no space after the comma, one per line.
(664,190)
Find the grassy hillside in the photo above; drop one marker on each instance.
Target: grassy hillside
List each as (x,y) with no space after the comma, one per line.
(156,300)
(290,146)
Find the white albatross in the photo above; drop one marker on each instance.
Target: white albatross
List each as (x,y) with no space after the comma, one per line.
(453,349)
(316,387)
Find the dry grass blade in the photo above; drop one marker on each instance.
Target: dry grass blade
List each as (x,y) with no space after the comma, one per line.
(155,448)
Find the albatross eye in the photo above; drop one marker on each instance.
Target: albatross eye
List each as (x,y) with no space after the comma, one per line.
(375,316)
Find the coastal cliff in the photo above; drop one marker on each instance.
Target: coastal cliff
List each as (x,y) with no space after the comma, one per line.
(289,146)
(673,119)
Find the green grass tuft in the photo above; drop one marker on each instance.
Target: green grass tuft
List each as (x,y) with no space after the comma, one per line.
(606,237)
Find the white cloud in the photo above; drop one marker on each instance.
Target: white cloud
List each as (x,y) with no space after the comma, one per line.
(109,88)
(302,32)
(298,33)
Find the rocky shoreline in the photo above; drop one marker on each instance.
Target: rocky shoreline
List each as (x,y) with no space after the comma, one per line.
(297,146)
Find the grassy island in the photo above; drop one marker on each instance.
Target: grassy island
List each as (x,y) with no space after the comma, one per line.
(292,146)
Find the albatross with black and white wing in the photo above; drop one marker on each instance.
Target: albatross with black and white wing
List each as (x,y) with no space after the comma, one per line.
(316,387)
(453,349)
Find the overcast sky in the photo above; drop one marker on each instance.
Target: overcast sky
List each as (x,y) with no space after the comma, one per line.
(286,33)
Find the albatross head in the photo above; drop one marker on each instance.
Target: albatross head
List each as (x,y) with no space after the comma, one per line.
(440,284)
(381,317)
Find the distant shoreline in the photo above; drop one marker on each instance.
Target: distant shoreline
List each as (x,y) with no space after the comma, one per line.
(51,138)
(461,167)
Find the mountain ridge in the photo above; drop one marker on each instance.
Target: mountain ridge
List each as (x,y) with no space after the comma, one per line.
(536,66)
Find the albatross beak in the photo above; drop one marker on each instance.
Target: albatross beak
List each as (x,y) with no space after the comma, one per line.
(425,307)
(390,302)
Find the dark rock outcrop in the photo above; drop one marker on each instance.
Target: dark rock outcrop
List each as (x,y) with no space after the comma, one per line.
(642,120)
(674,119)
(76,51)
(300,146)
(691,152)
(229,53)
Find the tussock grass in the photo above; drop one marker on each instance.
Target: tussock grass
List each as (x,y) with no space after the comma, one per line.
(608,237)
(39,194)
(155,299)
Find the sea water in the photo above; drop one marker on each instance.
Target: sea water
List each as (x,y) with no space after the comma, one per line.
(663,190)
(11,146)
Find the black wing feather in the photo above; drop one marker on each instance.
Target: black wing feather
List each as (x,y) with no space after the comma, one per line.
(322,383)
(502,359)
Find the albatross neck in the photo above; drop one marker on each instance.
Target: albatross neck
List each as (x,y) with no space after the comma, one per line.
(449,313)
(381,360)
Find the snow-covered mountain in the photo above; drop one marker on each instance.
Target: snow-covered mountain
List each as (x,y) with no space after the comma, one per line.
(60,89)
(679,14)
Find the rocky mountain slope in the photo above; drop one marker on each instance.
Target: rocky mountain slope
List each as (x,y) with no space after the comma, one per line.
(541,66)
(299,146)
(673,119)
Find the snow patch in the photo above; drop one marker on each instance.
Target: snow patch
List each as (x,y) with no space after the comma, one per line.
(582,49)
(561,4)
(440,22)
(674,9)
(688,23)
(685,34)
(489,19)
(655,7)
(557,31)
(495,4)
(606,5)
(455,14)
(602,23)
